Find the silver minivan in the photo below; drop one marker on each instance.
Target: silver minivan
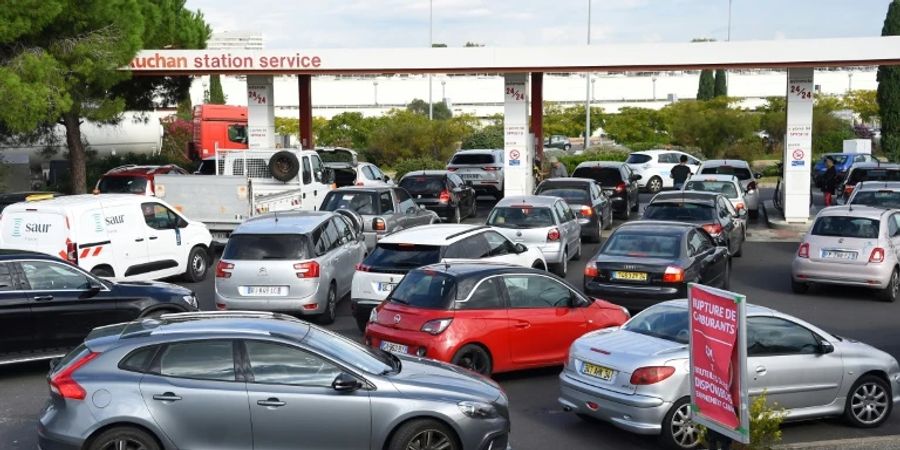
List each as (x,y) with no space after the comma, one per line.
(300,262)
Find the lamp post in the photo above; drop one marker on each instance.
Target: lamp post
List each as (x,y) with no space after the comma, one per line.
(587,97)
(729,21)
(850,82)
(375,85)
(593,91)
(654,86)
(430,43)
(443,90)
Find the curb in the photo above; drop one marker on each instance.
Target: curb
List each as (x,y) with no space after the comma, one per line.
(775,219)
(874,443)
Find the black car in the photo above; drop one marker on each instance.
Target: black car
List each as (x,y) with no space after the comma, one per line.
(48,306)
(587,200)
(645,262)
(866,172)
(441,191)
(619,183)
(712,211)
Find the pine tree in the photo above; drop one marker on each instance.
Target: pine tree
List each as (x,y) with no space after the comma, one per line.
(707,89)
(889,89)
(721,89)
(216,94)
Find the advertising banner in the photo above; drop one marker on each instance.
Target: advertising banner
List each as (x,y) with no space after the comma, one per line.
(718,358)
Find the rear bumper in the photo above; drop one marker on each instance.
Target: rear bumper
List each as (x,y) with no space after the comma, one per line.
(361,308)
(417,342)
(590,226)
(553,253)
(618,204)
(444,211)
(311,305)
(488,187)
(635,413)
(634,297)
(51,441)
(871,275)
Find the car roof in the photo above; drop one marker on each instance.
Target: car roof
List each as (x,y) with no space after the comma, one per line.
(878,185)
(600,164)
(131,170)
(436,234)
(752,309)
(568,181)
(874,165)
(67,201)
(657,226)
(868,212)
(725,162)
(713,177)
(284,222)
(533,200)
(478,150)
(685,196)
(657,151)
(362,188)
(425,172)
(468,269)
(8,254)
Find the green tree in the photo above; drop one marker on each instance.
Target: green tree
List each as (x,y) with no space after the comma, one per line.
(721,84)
(216,94)
(287,126)
(439,45)
(569,121)
(347,129)
(487,136)
(637,125)
(828,133)
(713,126)
(60,60)
(440,110)
(707,88)
(864,103)
(185,109)
(889,89)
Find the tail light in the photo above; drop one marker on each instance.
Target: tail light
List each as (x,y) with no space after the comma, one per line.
(309,269)
(445,196)
(63,384)
(590,271)
(71,252)
(378,224)
(491,169)
(651,375)
(436,326)
(223,269)
(751,186)
(673,274)
(359,183)
(803,251)
(553,234)
(363,268)
(587,211)
(740,206)
(877,255)
(848,189)
(621,187)
(714,229)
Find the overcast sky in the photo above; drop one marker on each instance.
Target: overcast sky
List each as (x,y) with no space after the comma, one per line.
(404,23)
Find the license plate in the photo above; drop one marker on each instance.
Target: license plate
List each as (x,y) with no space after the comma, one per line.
(835,254)
(470,176)
(394,348)
(630,276)
(591,370)
(265,291)
(386,287)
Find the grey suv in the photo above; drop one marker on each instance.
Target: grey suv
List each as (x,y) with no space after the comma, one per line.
(186,380)
(480,168)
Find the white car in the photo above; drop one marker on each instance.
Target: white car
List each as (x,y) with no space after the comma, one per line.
(350,171)
(726,185)
(740,169)
(655,167)
(398,253)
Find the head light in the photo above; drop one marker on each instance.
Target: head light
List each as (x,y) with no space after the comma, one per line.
(477,410)
(190,299)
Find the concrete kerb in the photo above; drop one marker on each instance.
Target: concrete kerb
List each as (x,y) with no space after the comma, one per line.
(775,218)
(873,443)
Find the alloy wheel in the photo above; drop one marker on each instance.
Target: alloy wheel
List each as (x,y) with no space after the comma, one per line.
(332,306)
(895,285)
(430,440)
(869,403)
(654,185)
(124,444)
(684,430)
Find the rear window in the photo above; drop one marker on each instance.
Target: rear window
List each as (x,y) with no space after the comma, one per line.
(364,203)
(679,211)
(858,175)
(643,245)
(722,187)
(662,321)
(849,227)
(403,256)
(606,176)
(337,156)
(425,289)
(838,158)
(637,158)
(472,158)
(521,217)
(259,247)
(423,184)
(122,185)
(570,194)
(741,173)
(879,199)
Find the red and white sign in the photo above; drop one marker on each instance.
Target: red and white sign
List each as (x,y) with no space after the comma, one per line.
(797,154)
(718,361)
(514,154)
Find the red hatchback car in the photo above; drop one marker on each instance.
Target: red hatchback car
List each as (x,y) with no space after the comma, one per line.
(133,179)
(488,318)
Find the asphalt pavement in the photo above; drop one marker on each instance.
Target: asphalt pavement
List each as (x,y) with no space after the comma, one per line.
(762,274)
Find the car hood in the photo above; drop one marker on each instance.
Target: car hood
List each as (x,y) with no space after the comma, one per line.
(426,376)
(143,288)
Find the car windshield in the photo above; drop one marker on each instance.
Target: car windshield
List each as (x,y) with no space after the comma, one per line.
(742,173)
(725,188)
(520,217)
(570,195)
(691,212)
(878,199)
(122,185)
(626,243)
(472,158)
(637,158)
(860,174)
(425,289)
(403,256)
(606,176)
(364,358)
(848,227)
(423,184)
(838,158)
(662,321)
(258,247)
(364,203)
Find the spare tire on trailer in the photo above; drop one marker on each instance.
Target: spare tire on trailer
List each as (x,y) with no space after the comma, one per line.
(354,217)
(284,166)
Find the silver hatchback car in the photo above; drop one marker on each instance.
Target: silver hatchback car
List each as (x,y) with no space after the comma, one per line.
(185,382)
(542,222)
(637,376)
(300,262)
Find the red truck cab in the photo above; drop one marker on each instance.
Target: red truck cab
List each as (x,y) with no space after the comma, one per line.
(222,127)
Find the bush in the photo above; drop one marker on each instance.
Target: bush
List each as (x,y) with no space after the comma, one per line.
(405,166)
(765,425)
(600,154)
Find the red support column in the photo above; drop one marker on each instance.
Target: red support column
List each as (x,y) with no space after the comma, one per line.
(306,117)
(537,113)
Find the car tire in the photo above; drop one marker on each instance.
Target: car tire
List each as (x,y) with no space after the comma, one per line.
(361,323)
(284,166)
(561,268)
(415,433)
(539,266)
(679,417)
(197,265)
(474,212)
(456,218)
(740,251)
(123,437)
(726,283)
(863,408)
(889,293)
(636,206)
(578,252)
(625,211)
(475,358)
(798,287)
(596,238)
(330,314)
(654,184)
(103,272)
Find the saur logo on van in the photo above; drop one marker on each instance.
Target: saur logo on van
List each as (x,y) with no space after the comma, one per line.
(115,220)
(98,224)
(17,228)
(37,227)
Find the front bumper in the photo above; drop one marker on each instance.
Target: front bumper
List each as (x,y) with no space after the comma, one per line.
(635,413)
(634,296)
(311,305)
(870,275)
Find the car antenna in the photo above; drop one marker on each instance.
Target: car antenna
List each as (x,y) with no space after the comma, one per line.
(276,216)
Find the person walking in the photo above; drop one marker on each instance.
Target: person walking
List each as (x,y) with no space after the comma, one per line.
(557,169)
(681,172)
(829,181)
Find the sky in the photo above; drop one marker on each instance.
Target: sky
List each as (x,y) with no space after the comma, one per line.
(304,24)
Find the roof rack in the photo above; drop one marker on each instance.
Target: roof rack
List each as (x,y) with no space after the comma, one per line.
(200,315)
(481,227)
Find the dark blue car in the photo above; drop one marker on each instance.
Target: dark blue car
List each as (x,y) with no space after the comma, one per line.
(842,162)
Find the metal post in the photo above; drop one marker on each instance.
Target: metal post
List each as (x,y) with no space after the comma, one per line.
(375,85)
(654,87)
(587,97)
(430,43)
(729,20)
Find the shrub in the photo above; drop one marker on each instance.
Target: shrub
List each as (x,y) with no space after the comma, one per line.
(405,166)
(765,425)
(599,154)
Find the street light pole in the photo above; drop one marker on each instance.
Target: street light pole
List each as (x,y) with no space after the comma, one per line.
(587,97)
(375,85)
(729,20)
(430,44)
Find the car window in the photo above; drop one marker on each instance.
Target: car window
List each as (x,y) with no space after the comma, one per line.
(848,227)
(472,158)
(532,291)
(430,185)
(723,208)
(333,237)
(425,289)
(698,243)
(317,168)
(359,201)
(769,336)
(6,279)
(662,321)
(485,296)
(404,200)
(638,158)
(367,172)
(880,199)
(139,360)
(387,204)
(456,181)
(679,211)
(498,245)
(158,216)
(237,133)
(524,216)
(52,276)
(377,172)
(204,360)
(668,158)
(307,171)
(742,173)
(122,185)
(625,243)
(571,194)
(606,176)
(272,363)
(270,247)
(472,247)
(726,188)
(892,226)
(896,221)
(402,256)
(345,233)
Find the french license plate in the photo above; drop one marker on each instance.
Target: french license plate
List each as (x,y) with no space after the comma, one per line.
(591,370)
(836,254)
(394,348)
(265,291)
(470,176)
(630,276)
(386,287)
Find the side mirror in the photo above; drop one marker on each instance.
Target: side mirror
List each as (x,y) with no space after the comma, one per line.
(635,177)
(521,248)
(757,175)
(826,347)
(345,382)
(387,178)
(412,209)
(94,285)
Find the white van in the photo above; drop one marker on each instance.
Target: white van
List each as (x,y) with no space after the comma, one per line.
(124,236)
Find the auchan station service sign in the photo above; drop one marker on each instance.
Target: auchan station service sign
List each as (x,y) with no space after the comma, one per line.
(217,60)
(718,355)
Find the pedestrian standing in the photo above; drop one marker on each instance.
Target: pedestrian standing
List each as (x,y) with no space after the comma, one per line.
(829,181)
(557,169)
(681,172)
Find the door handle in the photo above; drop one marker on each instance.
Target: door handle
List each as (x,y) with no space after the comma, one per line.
(271,402)
(304,195)
(153,238)
(167,397)
(760,370)
(522,325)
(139,240)
(43,298)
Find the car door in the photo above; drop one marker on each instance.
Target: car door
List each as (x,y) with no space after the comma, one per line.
(293,404)
(569,226)
(785,360)
(462,192)
(501,249)
(632,187)
(351,252)
(319,187)
(472,247)
(330,250)
(708,261)
(196,394)
(543,324)
(894,235)
(66,302)
(409,212)
(165,247)
(732,223)
(17,332)
(485,310)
